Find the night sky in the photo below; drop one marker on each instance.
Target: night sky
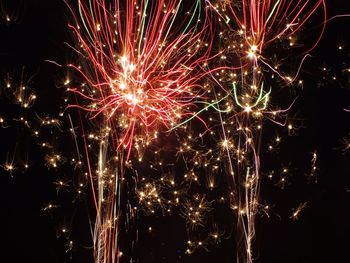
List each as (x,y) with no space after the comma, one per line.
(38,32)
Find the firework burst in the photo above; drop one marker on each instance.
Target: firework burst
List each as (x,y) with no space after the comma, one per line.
(139,72)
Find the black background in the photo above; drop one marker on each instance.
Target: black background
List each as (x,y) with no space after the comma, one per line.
(321,234)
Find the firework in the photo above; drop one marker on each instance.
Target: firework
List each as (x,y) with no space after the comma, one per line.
(259,24)
(249,29)
(168,107)
(139,73)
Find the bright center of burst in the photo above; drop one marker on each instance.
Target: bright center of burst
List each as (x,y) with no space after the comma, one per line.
(254,48)
(252,51)
(128,90)
(132,98)
(130,95)
(248,109)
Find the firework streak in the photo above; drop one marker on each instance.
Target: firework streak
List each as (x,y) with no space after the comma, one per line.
(140,72)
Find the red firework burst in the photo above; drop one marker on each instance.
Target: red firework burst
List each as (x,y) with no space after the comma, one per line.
(140,71)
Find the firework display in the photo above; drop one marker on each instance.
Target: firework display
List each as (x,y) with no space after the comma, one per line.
(174,128)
